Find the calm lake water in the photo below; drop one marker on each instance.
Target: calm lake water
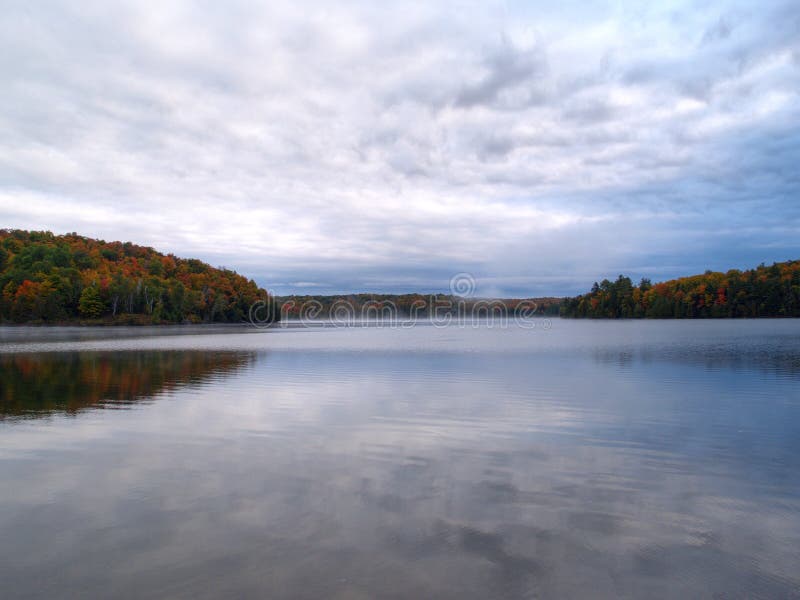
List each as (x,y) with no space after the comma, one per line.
(587,460)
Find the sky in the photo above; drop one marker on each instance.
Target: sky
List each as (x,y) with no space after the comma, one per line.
(326,147)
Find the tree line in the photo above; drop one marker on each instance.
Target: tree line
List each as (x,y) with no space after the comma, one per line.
(766,291)
(52,278)
(382,306)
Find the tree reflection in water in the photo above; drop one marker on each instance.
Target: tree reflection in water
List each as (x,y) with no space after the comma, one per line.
(34,385)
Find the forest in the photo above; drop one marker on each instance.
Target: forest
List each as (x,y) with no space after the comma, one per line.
(48,278)
(766,291)
(403,306)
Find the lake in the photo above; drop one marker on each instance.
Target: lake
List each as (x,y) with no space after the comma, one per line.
(576,459)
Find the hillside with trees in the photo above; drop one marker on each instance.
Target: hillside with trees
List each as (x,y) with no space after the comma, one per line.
(772,291)
(47,278)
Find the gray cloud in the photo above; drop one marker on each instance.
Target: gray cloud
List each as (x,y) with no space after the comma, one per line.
(357,147)
(511,79)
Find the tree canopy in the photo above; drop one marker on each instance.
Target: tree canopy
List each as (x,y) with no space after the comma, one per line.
(772,291)
(60,278)
(382,306)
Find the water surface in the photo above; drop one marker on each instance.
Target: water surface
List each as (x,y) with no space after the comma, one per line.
(587,459)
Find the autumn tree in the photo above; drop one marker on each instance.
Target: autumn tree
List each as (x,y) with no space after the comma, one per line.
(90,304)
(772,291)
(44,277)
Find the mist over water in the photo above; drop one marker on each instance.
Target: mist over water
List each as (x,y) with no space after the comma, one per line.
(590,459)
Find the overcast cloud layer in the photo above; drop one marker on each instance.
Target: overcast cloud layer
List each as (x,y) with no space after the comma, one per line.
(363,146)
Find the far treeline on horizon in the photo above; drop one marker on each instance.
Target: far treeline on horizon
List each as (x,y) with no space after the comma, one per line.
(50,279)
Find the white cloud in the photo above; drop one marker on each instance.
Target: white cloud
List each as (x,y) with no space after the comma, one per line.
(388,146)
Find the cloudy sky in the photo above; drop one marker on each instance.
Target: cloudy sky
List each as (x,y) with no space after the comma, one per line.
(386,147)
